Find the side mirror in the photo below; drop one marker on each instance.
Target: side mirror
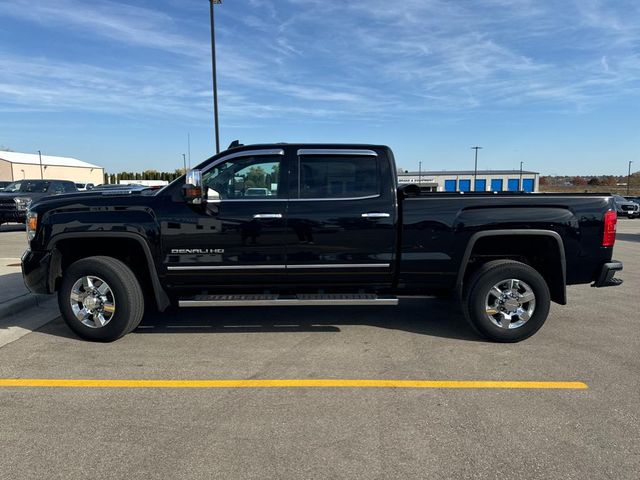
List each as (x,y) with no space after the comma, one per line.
(192,189)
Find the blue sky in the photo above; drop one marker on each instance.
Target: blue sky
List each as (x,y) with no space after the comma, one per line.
(553,84)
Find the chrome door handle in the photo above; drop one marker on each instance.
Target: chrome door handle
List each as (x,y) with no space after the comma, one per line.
(376,215)
(267,215)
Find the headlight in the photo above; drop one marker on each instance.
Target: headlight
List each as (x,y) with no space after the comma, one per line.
(32,225)
(22,203)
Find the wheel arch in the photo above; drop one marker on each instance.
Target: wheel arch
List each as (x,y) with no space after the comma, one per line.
(554,272)
(68,247)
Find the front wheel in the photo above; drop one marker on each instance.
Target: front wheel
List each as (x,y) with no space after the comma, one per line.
(100,298)
(506,301)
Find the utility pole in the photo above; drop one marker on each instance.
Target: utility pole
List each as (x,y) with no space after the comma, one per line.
(213,71)
(629,177)
(42,173)
(475,168)
(189,147)
(420,174)
(521,188)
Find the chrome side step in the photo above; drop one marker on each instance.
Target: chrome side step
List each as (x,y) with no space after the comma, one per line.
(285,300)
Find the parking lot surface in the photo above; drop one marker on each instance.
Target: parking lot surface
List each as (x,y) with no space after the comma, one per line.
(346,432)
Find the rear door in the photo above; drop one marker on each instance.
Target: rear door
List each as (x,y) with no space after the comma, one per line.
(342,218)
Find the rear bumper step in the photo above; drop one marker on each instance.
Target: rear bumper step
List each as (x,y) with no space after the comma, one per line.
(606,277)
(285,300)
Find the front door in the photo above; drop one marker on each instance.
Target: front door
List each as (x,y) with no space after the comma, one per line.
(341,222)
(238,238)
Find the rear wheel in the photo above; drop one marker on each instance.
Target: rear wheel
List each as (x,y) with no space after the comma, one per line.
(100,299)
(506,301)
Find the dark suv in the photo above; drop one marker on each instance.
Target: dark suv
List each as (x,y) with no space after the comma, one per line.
(626,207)
(17,196)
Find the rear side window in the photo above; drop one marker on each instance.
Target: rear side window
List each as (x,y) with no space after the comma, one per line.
(335,176)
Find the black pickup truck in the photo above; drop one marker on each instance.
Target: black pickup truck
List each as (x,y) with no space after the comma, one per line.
(285,224)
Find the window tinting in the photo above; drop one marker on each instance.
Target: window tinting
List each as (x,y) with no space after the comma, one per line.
(250,178)
(338,176)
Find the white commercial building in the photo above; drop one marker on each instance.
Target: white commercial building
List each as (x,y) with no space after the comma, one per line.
(19,166)
(462,180)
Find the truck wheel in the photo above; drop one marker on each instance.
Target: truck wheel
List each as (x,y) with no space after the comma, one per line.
(100,299)
(506,301)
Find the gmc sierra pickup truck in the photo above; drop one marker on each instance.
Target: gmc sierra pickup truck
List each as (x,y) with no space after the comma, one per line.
(285,224)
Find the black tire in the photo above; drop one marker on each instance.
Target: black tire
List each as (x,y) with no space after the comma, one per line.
(478,287)
(125,287)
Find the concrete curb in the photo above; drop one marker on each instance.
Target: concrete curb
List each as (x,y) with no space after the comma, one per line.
(26,314)
(22,303)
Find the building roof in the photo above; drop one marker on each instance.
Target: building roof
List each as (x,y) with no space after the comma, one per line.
(440,173)
(49,160)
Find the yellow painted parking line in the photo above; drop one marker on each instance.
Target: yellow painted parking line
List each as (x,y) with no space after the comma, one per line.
(302,383)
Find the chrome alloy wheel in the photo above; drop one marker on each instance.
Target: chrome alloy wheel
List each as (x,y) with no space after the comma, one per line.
(92,301)
(510,303)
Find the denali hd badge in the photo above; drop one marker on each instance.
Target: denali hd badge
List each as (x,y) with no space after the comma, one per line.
(201,251)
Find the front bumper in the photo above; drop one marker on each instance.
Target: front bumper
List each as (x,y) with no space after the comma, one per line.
(36,271)
(606,277)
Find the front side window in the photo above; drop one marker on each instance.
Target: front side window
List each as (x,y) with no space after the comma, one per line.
(246,178)
(337,176)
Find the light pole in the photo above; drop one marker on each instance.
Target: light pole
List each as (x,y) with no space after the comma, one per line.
(420,174)
(213,71)
(184,161)
(521,188)
(629,177)
(40,157)
(475,168)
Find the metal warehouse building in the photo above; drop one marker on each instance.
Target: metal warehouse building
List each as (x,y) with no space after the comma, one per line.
(18,166)
(462,180)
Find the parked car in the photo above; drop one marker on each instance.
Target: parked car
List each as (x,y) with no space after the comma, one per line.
(336,231)
(633,199)
(17,196)
(626,207)
(256,192)
(83,187)
(3,185)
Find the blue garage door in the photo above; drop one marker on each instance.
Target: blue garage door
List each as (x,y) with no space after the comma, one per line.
(481,186)
(449,185)
(528,184)
(465,185)
(513,184)
(496,184)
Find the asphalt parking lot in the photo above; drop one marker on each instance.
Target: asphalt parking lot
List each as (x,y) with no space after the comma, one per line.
(345,432)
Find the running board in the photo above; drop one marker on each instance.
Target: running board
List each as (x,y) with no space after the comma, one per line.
(328,300)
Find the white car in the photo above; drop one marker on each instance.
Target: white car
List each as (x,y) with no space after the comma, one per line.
(83,187)
(256,192)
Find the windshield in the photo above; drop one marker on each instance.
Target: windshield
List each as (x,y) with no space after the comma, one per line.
(28,186)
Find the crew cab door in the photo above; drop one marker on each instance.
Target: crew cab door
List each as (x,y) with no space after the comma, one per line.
(238,237)
(341,218)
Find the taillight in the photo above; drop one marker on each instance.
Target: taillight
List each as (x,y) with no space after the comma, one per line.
(609,235)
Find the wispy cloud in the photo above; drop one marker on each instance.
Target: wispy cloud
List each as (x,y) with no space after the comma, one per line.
(318,59)
(117,22)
